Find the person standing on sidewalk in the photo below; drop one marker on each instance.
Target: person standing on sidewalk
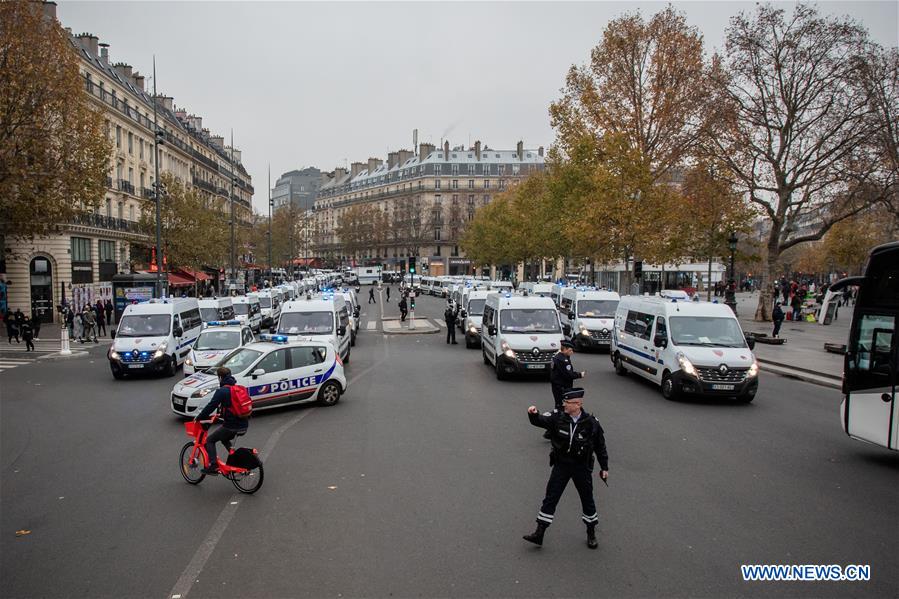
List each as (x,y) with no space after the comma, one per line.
(796,304)
(101,319)
(404,309)
(11,329)
(449,316)
(108,309)
(778,317)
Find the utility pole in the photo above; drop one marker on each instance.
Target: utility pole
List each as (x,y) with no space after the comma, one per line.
(233,270)
(157,189)
(270,219)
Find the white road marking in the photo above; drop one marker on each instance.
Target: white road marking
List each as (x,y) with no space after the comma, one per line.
(371,325)
(440,323)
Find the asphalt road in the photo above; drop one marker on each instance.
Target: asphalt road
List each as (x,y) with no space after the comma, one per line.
(421,481)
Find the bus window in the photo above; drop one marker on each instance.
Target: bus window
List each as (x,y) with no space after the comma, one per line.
(869,367)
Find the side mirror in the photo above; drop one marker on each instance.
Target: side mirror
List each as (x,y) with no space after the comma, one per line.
(356,312)
(178,331)
(341,331)
(570,315)
(492,330)
(660,341)
(463,313)
(112,334)
(257,373)
(750,341)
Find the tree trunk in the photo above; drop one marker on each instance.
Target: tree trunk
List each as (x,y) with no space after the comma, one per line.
(709,282)
(766,289)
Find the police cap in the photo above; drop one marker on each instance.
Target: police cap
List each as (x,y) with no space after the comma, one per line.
(576,393)
(567,344)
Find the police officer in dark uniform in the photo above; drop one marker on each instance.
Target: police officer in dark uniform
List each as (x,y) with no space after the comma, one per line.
(576,436)
(563,374)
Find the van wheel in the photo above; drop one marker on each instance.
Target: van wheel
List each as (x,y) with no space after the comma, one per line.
(669,391)
(620,370)
(484,355)
(329,394)
(745,398)
(117,374)
(172,367)
(353,340)
(347,359)
(500,375)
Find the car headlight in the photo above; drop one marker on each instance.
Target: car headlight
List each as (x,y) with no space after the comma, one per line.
(686,365)
(508,351)
(188,362)
(753,370)
(160,351)
(202,393)
(113,354)
(472,329)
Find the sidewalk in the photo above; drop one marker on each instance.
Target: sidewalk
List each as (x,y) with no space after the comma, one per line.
(393,326)
(803,355)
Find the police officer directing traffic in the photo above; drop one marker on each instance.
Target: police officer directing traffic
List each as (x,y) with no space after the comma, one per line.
(563,374)
(576,436)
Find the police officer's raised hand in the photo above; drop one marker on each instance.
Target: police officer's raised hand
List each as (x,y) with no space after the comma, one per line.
(532,410)
(604,475)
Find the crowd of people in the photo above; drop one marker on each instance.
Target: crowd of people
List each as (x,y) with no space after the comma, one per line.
(21,328)
(88,324)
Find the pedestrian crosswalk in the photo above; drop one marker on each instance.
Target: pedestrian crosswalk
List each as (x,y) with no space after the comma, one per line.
(10,363)
(40,346)
(371,325)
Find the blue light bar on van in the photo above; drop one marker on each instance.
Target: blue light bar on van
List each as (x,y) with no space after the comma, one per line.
(274,338)
(222,323)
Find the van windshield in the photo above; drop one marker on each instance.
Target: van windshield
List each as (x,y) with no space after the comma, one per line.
(596,308)
(306,323)
(145,325)
(529,321)
(476,307)
(242,309)
(265,302)
(209,314)
(217,340)
(707,331)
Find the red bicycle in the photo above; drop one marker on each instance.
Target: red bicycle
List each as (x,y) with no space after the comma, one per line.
(243,467)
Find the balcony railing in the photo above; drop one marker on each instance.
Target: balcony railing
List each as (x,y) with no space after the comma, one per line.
(126,186)
(205,185)
(105,222)
(146,193)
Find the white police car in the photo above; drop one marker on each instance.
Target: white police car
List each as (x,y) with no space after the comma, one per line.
(277,370)
(217,340)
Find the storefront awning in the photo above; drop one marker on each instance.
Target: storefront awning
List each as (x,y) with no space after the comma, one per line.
(190,274)
(177,280)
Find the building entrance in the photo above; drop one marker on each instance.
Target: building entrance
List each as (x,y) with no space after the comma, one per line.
(41,289)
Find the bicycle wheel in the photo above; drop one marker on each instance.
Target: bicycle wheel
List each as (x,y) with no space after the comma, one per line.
(191,468)
(250,481)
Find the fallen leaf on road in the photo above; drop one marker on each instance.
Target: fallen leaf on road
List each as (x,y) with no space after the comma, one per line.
(22,533)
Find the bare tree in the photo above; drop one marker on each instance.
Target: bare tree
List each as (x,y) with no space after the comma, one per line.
(798,121)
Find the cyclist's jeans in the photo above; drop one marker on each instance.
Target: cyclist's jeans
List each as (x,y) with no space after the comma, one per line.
(220,434)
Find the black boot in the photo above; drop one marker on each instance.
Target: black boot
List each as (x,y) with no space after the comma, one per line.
(591,536)
(537,536)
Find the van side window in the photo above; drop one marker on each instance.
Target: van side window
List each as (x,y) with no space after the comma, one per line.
(227,313)
(661,328)
(344,318)
(565,304)
(638,324)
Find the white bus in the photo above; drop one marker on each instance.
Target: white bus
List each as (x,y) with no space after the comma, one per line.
(869,409)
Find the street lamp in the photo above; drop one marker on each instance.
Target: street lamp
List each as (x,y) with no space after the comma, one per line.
(730,297)
(732,243)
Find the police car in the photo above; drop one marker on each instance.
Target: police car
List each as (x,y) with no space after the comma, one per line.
(277,371)
(217,340)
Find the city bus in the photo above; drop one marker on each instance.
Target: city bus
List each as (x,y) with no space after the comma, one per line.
(870,411)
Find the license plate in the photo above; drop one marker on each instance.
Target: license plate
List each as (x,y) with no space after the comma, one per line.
(723,387)
(178,404)
(135,365)
(536,366)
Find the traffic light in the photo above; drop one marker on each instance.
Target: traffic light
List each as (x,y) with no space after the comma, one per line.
(412,270)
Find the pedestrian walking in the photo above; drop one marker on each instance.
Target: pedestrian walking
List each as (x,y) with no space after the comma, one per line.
(19,317)
(576,436)
(69,319)
(388,294)
(562,375)
(101,319)
(404,308)
(796,304)
(77,327)
(107,307)
(36,325)
(371,296)
(28,335)
(90,324)
(11,329)
(778,317)
(450,317)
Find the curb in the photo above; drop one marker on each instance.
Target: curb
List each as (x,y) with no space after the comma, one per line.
(57,356)
(802,374)
(417,331)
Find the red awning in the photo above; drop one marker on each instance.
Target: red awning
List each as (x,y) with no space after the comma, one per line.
(252,266)
(199,276)
(176,280)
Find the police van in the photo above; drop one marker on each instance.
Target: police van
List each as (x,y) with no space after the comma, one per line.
(277,371)
(501,286)
(154,336)
(556,293)
(588,316)
(519,334)
(270,304)
(539,289)
(354,310)
(325,316)
(471,313)
(218,339)
(216,308)
(685,347)
(247,310)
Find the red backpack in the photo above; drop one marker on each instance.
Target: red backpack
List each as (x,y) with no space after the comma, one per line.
(241,403)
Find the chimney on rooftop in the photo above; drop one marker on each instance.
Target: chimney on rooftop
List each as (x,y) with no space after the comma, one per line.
(392,159)
(446,150)
(519,149)
(139,81)
(540,151)
(218,141)
(89,42)
(477,149)
(339,173)
(123,69)
(167,103)
(195,122)
(424,150)
(104,53)
(356,168)
(49,10)
(374,163)
(402,156)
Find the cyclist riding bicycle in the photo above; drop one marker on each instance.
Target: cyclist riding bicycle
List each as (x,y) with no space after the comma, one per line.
(232,424)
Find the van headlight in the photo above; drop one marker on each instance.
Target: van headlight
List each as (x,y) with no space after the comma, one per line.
(753,370)
(160,351)
(583,329)
(508,351)
(686,365)
(114,355)
(472,329)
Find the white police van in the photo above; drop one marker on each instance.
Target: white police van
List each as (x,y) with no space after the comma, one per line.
(471,314)
(277,371)
(218,339)
(154,336)
(685,347)
(535,288)
(520,334)
(588,316)
(270,304)
(216,308)
(247,310)
(354,310)
(326,315)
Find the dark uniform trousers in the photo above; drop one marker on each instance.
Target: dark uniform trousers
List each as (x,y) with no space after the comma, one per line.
(562,472)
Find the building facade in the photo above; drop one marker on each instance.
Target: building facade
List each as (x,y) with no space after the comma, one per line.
(77,263)
(297,188)
(414,207)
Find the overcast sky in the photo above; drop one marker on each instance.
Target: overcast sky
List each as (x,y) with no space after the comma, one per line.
(318,84)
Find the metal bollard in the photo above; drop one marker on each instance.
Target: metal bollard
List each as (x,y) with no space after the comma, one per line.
(412,320)
(64,350)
